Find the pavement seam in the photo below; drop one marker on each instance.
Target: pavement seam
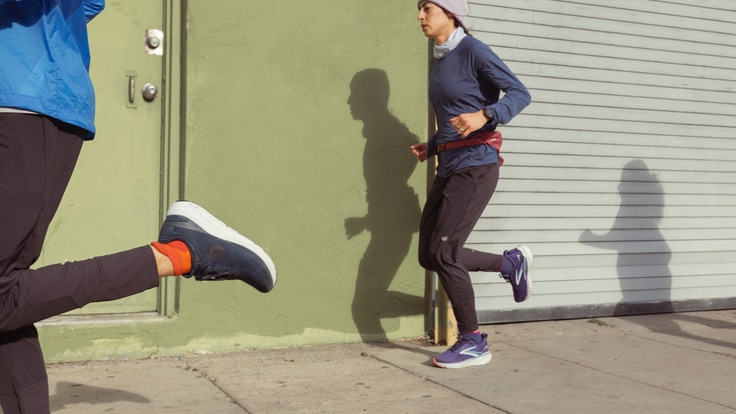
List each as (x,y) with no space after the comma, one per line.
(213,381)
(723,354)
(414,374)
(611,373)
(691,349)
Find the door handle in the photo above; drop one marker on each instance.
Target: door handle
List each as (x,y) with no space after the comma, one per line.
(149,92)
(131,89)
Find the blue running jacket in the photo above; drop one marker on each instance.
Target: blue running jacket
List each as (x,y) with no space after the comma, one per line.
(44,58)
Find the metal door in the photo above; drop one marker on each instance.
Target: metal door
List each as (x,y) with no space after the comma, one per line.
(620,175)
(113,202)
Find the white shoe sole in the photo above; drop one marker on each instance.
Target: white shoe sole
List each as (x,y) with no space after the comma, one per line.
(475,362)
(217,228)
(529,257)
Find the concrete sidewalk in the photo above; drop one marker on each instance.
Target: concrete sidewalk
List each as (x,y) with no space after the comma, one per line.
(672,363)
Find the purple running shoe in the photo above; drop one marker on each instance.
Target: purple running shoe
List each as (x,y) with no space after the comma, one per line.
(465,353)
(521,278)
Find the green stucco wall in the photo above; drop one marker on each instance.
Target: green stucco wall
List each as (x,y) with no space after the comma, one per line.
(297,117)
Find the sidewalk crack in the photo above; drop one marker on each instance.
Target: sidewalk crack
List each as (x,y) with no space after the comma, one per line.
(212,380)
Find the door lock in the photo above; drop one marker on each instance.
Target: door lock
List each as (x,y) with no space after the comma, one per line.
(154,42)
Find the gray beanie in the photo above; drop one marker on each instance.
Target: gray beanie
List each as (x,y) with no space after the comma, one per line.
(458,8)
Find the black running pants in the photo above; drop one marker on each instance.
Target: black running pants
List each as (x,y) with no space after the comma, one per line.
(37,157)
(454,205)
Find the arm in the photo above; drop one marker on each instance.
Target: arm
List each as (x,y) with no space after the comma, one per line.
(494,71)
(516,96)
(425,150)
(92,8)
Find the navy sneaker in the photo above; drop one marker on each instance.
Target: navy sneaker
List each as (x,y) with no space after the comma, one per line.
(218,252)
(465,353)
(521,278)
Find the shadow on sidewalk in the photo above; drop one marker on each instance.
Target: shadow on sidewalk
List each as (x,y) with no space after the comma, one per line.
(417,348)
(69,394)
(670,324)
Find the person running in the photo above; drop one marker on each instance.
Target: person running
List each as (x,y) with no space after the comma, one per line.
(466,78)
(46,113)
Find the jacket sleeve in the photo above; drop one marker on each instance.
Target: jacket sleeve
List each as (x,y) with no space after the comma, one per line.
(92,8)
(516,96)
(432,145)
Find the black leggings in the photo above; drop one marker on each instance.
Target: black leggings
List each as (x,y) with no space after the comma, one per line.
(454,205)
(37,157)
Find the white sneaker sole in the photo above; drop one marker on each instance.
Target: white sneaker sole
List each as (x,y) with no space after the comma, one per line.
(217,228)
(475,362)
(529,257)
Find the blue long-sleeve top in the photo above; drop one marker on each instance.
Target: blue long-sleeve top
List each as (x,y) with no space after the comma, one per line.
(44,59)
(466,80)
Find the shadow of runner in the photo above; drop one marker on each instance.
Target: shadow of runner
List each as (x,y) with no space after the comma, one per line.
(69,394)
(676,324)
(637,224)
(641,210)
(393,207)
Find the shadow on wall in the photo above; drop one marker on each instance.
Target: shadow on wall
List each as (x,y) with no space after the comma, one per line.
(392,207)
(643,254)
(644,258)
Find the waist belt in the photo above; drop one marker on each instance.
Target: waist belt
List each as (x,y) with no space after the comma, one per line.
(491,138)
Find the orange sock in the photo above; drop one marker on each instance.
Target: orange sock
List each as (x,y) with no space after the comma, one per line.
(178,252)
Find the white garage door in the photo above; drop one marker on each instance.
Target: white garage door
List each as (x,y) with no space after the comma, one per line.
(621,175)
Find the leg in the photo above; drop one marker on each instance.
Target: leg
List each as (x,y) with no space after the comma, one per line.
(49,291)
(23,383)
(476,261)
(457,203)
(428,221)
(31,184)
(473,260)
(36,163)
(55,289)
(37,157)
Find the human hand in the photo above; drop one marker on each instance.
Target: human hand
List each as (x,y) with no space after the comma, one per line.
(354,226)
(586,236)
(421,151)
(465,124)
